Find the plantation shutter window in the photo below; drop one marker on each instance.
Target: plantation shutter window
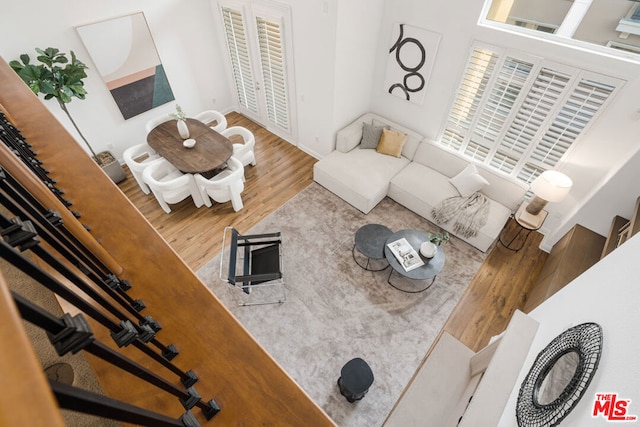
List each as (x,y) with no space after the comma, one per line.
(239,55)
(519,114)
(273,71)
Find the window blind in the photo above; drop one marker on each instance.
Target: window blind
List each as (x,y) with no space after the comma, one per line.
(521,115)
(239,55)
(273,71)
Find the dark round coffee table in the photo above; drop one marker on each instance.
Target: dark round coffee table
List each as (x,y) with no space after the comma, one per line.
(370,240)
(426,272)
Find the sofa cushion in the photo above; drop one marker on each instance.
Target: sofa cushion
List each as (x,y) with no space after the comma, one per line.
(349,137)
(370,136)
(469,181)
(391,143)
(504,190)
(413,139)
(360,177)
(434,187)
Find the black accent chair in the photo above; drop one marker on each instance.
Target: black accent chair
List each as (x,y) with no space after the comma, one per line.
(253,267)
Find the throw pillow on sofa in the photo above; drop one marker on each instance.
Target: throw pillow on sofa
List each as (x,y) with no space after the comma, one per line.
(468,181)
(391,143)
(371,135)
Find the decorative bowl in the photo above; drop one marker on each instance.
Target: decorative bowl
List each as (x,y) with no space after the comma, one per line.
(428,249)
(189,143)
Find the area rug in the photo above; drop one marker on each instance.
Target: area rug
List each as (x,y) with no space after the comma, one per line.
(336,311)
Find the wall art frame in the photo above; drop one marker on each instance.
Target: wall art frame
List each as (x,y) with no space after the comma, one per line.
(124,54)
(410,62)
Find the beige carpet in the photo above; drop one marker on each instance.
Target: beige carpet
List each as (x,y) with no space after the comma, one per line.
(336,311)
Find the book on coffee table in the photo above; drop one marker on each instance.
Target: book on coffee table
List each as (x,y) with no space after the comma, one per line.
(405,254)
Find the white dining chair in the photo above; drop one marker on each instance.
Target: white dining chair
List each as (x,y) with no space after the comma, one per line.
(244,152)
(169,185)
(228,185)
(137,158)
(209,116)
(148,127)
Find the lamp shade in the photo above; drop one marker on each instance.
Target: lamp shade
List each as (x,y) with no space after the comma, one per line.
(552,186)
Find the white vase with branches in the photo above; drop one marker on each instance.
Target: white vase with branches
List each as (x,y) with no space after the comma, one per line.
(181,119)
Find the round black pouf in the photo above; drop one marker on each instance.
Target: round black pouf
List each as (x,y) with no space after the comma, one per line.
(355,379)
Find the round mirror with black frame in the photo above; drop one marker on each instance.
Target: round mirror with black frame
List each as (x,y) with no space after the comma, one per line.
(559,376)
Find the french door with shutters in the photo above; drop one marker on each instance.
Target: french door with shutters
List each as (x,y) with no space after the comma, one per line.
(258,40)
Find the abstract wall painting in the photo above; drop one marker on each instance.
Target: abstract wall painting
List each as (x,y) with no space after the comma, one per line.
(126,58)
(411,57)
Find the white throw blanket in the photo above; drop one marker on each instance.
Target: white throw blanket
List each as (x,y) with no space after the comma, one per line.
(470,213)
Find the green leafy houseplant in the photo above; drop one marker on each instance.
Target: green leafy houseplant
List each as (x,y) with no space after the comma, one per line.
(56,76)
(439,238)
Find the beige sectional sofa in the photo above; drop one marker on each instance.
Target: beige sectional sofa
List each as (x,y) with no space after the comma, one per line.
(419,179)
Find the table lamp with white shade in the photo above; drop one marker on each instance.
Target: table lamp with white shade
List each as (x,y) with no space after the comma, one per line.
(549,186)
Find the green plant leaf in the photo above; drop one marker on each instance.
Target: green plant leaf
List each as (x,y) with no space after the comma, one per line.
(60,59)
(30,73)
(78,90)
(63,97)
(16,66)
(45,60)
(47,87)
(50,51)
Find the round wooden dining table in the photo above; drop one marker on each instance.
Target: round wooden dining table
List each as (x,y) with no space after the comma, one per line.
(210,153)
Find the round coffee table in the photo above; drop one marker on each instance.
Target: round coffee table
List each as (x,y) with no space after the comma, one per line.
(426,272)
(370,241)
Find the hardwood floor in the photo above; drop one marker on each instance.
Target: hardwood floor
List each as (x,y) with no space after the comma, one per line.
(500,286)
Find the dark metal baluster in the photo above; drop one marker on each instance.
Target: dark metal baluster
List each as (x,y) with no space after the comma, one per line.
(50,220)
(73,398)
(57,327)
(123,334)
(12,138)
(110,284)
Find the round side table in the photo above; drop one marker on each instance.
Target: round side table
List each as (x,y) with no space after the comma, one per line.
(526,223)
(428,271)
(355,379)
(370,240)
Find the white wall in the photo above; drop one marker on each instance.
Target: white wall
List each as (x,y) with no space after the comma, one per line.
(357,48)
(334,53)
(606,294)
(183,33)
(314,39)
